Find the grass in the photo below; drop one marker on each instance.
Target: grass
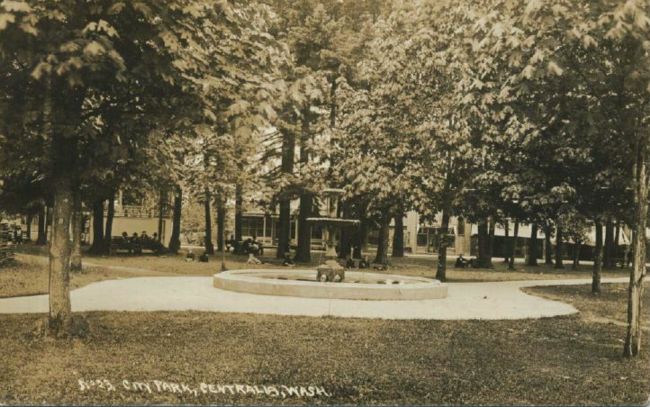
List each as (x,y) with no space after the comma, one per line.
(29,276)
(610,306)
(562,360)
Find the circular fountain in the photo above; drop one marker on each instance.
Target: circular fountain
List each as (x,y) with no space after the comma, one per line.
(357,286)
(330,279)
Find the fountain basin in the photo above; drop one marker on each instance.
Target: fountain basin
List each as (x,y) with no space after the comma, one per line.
(357,285)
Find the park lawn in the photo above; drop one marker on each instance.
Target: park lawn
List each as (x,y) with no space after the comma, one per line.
(561,360)
(610,306)
(409,265)
(29,274)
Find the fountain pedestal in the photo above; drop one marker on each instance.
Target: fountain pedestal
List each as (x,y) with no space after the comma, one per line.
(331,269)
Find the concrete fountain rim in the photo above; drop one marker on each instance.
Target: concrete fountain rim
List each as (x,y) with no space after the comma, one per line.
(247,281)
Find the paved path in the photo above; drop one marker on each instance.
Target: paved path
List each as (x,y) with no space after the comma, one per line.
(491,300)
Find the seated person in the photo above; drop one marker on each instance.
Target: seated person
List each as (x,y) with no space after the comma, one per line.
(203,258)
(363,263)
(260,250)
(230,243)
(125,242)
(18,235)
(190,256)
(154,244)
(144,236)
(349,263)
(246,246)
(135,238)
(287,260)
(251,255)
(461,262)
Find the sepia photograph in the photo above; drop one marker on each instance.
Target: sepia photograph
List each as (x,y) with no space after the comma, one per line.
(324,202)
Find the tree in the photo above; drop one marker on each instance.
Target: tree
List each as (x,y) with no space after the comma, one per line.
(580,72)
(84,61)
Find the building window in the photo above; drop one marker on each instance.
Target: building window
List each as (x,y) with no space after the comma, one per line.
(461,226)
(252,226)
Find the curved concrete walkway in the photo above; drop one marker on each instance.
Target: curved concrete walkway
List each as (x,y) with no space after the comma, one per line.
(491,300)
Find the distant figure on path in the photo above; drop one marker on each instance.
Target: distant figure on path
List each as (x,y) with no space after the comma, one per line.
(287,261)
(349,263)
(260,250)
(230,243)
(461,262)
(252,249)
(363,263)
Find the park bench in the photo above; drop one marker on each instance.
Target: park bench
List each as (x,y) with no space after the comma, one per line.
(118,243)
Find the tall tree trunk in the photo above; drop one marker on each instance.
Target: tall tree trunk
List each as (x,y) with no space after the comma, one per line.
(576,255)
(548,247)
(532,246)
(382,245)
(345,241)
(506,251)
(598,262)
(239,208)
(207,203)
(98,227)
(175,239)
(491,229)
(60,311)
(77,224)
(441,272)
(484,259)
(41,239)
(361,237)
(303,251)
(30,218)
(558,247)
(632,346)
(288,153)
(284,231)
(513,246)
(108,231)
(161,214)
(398,235)
(608,259)
(221,223)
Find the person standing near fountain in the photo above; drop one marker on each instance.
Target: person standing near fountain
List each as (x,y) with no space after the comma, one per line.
(253,249)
